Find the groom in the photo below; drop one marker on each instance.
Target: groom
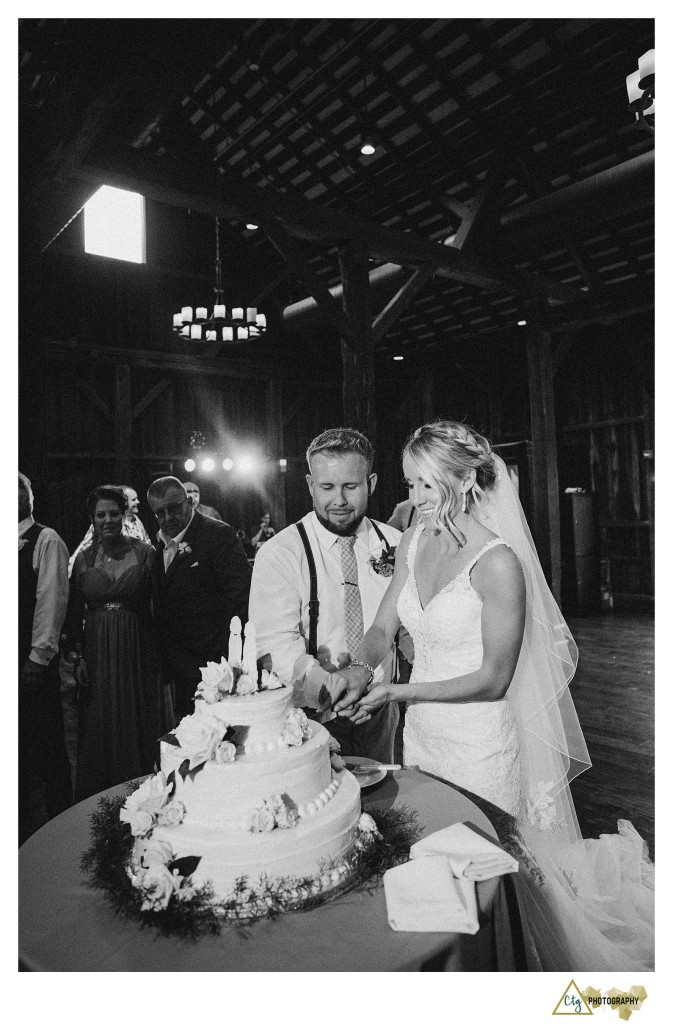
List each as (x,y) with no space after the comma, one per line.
(349,558)
(201,579)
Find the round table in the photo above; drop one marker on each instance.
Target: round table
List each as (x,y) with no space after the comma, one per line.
(65,925)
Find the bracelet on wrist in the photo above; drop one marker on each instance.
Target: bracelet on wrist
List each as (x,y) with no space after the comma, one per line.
(363,664)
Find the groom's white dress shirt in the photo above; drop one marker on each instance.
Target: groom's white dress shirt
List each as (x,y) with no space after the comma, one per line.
(279,597)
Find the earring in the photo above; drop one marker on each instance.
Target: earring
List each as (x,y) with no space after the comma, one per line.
(464,501)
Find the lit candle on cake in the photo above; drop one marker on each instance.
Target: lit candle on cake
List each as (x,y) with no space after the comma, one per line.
(177,320)
(237,313)
(261,319)
(186,313)
(219,312)
(195,331)
(250,651)
(227,334)
(235,643)
(250,314)
(201,313)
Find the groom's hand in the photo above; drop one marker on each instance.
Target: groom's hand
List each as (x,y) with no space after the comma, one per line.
(357,680)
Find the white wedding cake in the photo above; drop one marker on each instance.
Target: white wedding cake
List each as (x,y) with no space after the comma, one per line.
(246,790)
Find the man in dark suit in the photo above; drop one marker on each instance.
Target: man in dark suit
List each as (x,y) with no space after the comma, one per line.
(201,580)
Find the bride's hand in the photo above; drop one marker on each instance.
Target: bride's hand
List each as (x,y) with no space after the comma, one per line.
(374,698)
(355,714)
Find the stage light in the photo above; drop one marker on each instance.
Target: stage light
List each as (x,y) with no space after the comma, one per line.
(521,323)
(228,465)
(283,465)
(247,464)
(208,465)
(252,227)
(190,465)
(398,359)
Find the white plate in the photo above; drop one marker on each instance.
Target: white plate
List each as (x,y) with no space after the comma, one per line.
(371,778)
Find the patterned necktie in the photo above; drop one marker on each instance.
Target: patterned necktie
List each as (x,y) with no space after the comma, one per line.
(354,625)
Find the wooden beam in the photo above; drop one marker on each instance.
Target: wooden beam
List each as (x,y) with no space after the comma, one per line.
(156,360)
(274,433)
(89,391)
(303,269)
(357,348)
(147,400)
(609,194)
(563,346)
(122,421)
(400,302)
(546,513)
(235,199)
(483,207)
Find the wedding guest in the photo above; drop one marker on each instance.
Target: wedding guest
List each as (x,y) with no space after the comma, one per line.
(353,559)
(201,580)
(124,707)
(265,532)
(45,787)
(131,527)
(194,495)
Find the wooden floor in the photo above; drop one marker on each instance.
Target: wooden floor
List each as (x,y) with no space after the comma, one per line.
(613,692)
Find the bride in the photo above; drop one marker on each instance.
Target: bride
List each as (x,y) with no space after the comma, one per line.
(488,705)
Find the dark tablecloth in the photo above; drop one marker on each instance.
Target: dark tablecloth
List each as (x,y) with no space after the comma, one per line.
(65,925)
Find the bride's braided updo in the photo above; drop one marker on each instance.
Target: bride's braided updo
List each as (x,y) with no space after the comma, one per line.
(446,447)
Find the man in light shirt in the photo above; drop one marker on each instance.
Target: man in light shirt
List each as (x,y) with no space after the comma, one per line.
(340,480)
(45,785)
(201,579)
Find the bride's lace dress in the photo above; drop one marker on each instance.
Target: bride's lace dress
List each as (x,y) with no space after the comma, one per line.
(474,744)
(586,904)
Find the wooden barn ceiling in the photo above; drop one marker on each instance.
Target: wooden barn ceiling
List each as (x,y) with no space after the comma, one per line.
(506,164)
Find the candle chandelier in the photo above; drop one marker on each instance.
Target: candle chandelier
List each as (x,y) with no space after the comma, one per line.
(640,87)
(234,325)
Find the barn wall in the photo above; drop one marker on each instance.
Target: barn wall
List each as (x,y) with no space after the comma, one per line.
(603,388)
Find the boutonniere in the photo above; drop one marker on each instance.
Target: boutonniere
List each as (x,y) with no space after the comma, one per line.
(385,563)
(184,548)
(22,542)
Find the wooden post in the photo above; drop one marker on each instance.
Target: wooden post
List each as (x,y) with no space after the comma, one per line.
(357,347)
(274,431)
(545,494)
(122,423)
(428,396)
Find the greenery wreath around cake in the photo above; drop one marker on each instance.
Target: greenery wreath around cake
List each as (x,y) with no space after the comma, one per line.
(176,907)
(182,879)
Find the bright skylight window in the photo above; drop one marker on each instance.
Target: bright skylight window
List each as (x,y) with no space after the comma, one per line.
(114,225)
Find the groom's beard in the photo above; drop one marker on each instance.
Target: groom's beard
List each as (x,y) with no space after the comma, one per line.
(341,530)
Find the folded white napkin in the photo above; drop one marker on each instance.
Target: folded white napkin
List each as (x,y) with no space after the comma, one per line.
(423,896)
(470,854)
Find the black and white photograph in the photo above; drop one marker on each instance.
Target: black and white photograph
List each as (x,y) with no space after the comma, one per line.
(336,352)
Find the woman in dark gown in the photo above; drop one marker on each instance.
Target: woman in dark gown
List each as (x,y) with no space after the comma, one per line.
(124,707)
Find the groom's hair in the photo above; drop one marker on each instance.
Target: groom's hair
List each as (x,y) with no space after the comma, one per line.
(341,441)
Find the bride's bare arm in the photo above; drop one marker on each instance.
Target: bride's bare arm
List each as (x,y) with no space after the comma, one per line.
(380,635)
(498,579)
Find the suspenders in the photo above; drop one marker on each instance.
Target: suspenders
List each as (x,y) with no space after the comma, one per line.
(314,603)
